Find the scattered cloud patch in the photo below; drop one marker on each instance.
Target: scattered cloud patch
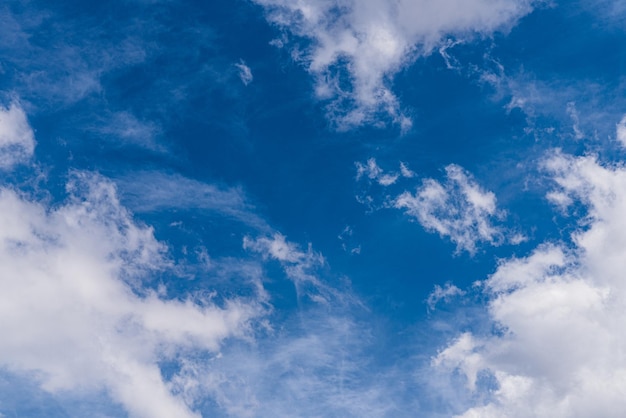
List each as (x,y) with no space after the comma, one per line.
(368,42)
(17,140)
(458,209)
(549,305)
(405,171)
(245,73)
(346,239)
(445,294)
(372,171)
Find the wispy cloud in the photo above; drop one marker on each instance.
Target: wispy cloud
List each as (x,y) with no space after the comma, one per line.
(245,73)
(445,294)
(67,67)
(125,129)
(372,171)
(458,209)
(149,191)
(301,267)
(368,42)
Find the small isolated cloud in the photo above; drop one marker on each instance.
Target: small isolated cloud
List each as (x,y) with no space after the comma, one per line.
(347,241)
(372,171)
(559,313)
(405,171)
(17,140)
(573,114)
(80,321)
(374,39)
(245,73)
(458,209)
(445,294)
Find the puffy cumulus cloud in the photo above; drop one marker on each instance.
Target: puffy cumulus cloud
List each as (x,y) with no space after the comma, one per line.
(368,42)
(17,140)
(76,314)
(458,209)
(559,312)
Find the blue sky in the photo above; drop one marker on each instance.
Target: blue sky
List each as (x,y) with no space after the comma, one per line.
(321,208)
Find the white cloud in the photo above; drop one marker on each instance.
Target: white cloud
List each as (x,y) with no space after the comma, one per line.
(406,171)
(372,40)
(560,312)
(316,366)
(459,209)
(372,171)
(17,140)
(573,114)
(149,191)
(300,266)
(245,73)
(347,241)
(127,129)
(80,319)
(445,294)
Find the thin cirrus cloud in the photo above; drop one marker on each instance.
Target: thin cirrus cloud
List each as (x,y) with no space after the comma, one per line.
(372,40)
(65,68)
(152,191)
(316,363)
(300,266)
(126,129)
(549,306)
